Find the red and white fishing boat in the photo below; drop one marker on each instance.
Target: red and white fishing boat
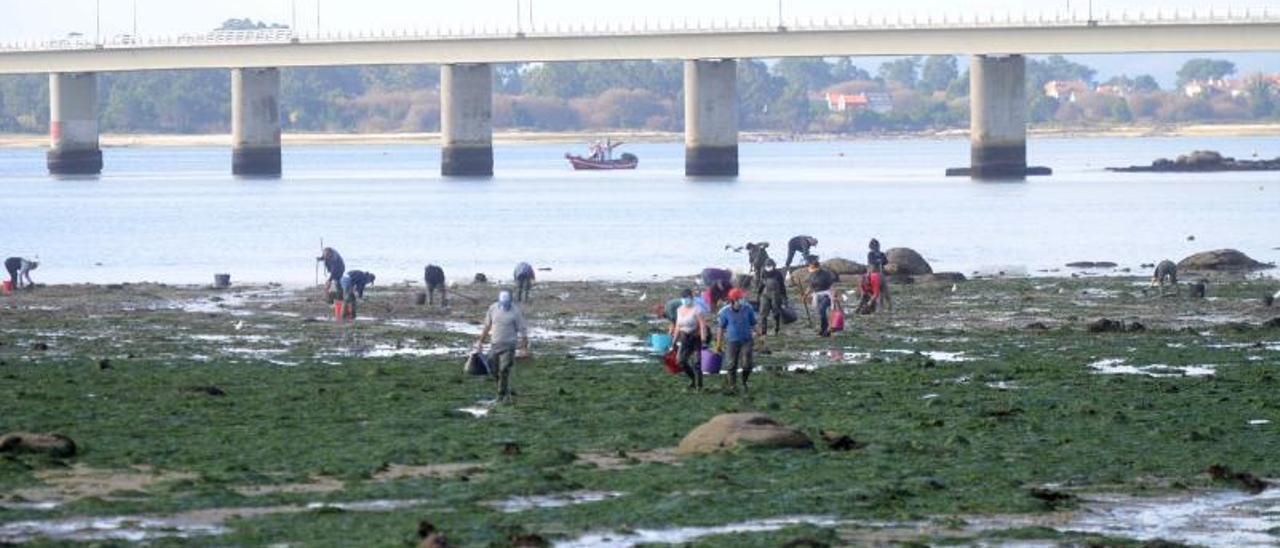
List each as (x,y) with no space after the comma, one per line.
(601,157)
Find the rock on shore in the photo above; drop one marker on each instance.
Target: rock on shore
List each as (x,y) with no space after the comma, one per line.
(904,260)
(844,267)
(1224,260)
(733,430)
(1200,161)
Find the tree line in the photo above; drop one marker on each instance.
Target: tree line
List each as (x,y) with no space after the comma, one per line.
(927,93)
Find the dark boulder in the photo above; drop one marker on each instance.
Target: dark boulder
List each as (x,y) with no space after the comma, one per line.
(904,260)
(1227,260)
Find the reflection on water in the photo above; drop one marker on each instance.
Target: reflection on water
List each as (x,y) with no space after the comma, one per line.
(177,215)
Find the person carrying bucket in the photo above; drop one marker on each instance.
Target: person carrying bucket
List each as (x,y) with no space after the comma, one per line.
(737,322)
(687,334)
(524,281)
(20,270)
(505,323)
(334,267)
(876,262)
(821,281)
(772,294)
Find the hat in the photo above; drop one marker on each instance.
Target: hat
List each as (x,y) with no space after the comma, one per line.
(811,260)
(686,294)
(504,297)
(736,293)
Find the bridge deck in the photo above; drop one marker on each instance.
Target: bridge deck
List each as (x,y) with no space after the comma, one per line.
(283,50)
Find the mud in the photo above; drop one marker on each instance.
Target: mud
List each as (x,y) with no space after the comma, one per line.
(522,504)
(63,485)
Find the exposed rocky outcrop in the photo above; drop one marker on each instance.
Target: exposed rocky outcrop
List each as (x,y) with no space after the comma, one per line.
(1225,260)
(1201,161)
(734,430)
(904,260)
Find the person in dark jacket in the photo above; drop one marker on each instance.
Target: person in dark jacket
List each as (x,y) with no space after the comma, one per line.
(799,245)
(20,271)
(334,267)
(876,262)
(434,276)
(757,254)
(772,294)
(718,281)
(1166,273)
(523,275)
(821,284)
(352,284)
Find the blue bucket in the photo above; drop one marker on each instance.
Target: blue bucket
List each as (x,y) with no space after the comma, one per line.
(660,342)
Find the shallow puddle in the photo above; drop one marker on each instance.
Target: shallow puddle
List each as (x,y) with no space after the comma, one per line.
(935,355)
(391,351)
(1205,518)
(191,524)
(1119,366)
(825,358)
(681,535)
(132,529)
(522,504)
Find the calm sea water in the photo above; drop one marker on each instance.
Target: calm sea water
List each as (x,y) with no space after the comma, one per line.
(176,214)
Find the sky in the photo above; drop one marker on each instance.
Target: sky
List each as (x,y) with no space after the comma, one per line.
(44,19)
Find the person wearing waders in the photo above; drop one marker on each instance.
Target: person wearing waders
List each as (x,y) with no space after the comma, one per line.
(772,294)
(801,245)
(876,262)
(821,281)
(524,281)
(1166,273)
(334,267)
(434,276)
(353,284)
(20,271)
(737,322)
(687,334)
(507,330)
(757,255)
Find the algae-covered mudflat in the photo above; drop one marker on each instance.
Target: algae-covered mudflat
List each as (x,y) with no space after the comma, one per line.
(984,412)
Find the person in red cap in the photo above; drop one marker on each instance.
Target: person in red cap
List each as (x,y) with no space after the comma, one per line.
(737,323)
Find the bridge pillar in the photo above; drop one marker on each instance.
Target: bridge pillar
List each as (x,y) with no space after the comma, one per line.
(711,117)
(255,121)
(466,120)
(73,124)
(998,119)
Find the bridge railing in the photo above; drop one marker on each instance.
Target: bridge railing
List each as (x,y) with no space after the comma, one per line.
(641,27)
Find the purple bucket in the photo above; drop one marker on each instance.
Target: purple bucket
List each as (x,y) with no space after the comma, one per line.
(710,362)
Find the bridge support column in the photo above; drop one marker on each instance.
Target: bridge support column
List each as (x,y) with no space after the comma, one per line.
(255,122)
(466,120)
(73,124)
(711,117)
(998,119)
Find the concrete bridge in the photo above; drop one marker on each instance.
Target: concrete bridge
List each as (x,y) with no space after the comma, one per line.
(709,50)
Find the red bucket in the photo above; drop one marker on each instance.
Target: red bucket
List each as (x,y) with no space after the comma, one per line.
(8,287)
(669,361)
(337,311)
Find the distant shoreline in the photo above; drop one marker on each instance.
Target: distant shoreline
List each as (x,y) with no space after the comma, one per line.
(113,140)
